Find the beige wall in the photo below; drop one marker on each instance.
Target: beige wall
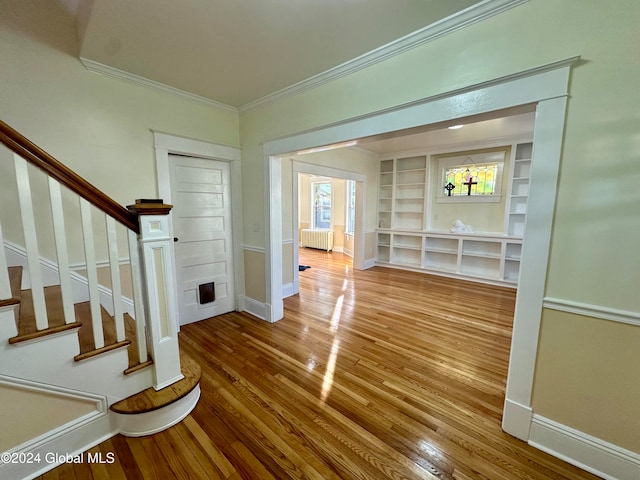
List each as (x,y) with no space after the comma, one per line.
(254,275)
(287,263)
(588,376)
(595,232)
(27,414)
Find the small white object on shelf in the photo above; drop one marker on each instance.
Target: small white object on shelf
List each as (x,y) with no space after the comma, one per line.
(459,227)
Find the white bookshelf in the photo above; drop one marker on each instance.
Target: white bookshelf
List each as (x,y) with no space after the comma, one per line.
(518,193)
(485,257)
(405,242)
(402,192)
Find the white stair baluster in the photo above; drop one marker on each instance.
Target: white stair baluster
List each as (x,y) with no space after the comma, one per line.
(31,242)
(116,288)
(92,273)
(138,299)
(5,285)
(61,250)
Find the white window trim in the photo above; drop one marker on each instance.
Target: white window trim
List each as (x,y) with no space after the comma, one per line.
(347,216)
(312,216)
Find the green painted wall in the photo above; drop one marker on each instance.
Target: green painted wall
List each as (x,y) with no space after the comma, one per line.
(595,257)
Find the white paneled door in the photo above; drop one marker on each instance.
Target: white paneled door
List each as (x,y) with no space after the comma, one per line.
(201,196)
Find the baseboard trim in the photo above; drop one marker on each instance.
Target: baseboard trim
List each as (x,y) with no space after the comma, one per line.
(287,290)
(589,453)
(370,262)
(516,419)
(255,308)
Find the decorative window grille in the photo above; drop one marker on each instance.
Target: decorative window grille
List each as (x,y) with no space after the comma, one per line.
(471,180)
(470,176)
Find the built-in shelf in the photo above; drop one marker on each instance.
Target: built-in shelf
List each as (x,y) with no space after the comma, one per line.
(518,195)
(404,240)
(491,257)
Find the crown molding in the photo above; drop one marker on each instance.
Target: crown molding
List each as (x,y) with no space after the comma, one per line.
(97,67)
(475,13)
(457,21)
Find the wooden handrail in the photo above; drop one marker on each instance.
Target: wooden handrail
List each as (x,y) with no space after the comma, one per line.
(67,177)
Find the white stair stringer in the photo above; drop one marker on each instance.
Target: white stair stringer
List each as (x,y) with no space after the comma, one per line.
(50,360)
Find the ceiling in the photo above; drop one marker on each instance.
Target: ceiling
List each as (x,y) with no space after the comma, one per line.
(238,51)
(235,52)
(493,127)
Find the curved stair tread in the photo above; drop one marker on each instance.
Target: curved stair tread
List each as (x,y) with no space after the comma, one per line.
(150,399)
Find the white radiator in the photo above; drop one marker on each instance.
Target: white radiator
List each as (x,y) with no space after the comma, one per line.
(322,239)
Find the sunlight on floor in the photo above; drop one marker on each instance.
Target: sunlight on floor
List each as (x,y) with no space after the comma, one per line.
(331,367)
(335,317)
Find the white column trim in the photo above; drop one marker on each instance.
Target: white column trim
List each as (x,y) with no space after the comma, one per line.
(545,163)
(273,239)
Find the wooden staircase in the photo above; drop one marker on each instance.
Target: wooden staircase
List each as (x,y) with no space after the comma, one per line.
(26,325)
(62,349)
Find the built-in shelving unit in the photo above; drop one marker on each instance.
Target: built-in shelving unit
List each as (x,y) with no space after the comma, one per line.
(519,189)
(402,192)
(476,256)
(404,241)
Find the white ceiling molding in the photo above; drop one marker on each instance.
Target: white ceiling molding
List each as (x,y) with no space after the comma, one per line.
(457,21)
(102,69)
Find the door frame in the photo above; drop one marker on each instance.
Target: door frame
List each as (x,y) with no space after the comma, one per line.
(359,232)
(166,144)
(547,87)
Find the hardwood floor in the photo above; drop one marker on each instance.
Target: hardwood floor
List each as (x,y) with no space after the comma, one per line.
(370,375)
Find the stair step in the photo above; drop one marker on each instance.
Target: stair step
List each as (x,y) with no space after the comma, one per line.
(27,329)
(15,282)
(150,399)
(135,363)
(9,301)
(43,333)
(85,334)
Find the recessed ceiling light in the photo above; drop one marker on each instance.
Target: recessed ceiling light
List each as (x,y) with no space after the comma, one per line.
(455,127)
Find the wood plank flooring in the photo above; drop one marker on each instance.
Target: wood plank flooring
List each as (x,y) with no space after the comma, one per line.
(370,375)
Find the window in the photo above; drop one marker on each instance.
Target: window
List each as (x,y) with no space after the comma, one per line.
(351,207)
(471,178)
(476,179)
(321,204)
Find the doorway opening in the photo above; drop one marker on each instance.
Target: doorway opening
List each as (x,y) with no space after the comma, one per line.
(334,222)
(547,88)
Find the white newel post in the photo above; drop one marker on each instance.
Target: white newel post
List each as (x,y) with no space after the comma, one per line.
(157,268)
